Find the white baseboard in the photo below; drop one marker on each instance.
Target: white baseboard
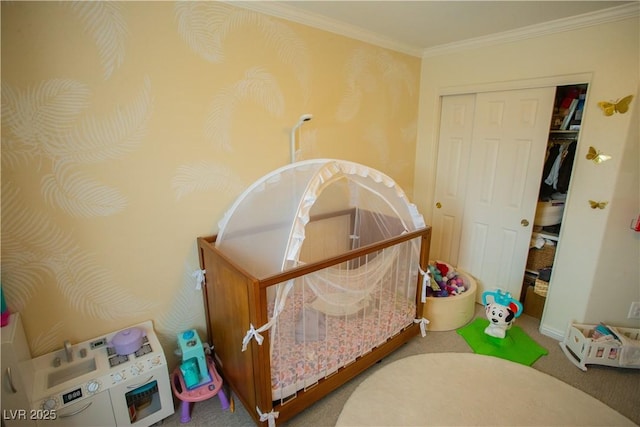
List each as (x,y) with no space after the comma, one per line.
(552,333)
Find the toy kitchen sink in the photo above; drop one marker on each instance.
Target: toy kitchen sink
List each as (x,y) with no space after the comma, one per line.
(102,382)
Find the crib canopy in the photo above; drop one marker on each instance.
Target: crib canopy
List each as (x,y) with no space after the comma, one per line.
(309,210)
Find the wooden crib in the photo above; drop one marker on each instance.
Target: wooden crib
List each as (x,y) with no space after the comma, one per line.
(236,301)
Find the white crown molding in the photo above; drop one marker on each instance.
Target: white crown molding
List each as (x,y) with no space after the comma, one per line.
(283,11)
(279,10)
(559,25)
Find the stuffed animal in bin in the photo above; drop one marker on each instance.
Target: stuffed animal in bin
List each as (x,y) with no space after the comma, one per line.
(501,312)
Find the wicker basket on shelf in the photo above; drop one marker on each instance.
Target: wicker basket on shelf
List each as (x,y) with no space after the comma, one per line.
(541,287)
(541,258)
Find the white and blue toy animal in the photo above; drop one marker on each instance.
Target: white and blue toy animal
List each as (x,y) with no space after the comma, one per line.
(501,312)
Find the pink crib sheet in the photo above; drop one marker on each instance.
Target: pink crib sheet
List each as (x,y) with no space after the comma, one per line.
(299,364)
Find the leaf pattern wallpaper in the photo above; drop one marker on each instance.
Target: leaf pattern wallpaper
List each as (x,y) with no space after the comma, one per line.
(129,128)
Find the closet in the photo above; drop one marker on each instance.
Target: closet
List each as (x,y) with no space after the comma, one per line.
(491,149)
(554,188)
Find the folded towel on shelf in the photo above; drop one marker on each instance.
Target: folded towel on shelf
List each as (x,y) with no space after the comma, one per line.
(536,242)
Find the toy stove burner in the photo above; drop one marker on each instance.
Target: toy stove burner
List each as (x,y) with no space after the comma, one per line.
(146,348)
(117,359)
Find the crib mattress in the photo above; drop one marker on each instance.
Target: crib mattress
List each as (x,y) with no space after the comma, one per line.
(298,364)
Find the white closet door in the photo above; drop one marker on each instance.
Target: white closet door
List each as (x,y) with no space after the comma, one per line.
(510,135)
(454,145)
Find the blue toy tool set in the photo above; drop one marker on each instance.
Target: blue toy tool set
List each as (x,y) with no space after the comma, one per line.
(194,363)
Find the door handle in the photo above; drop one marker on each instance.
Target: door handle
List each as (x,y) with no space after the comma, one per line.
(76,412)
(524,222)
(10,381)
(140,384)
(438,205)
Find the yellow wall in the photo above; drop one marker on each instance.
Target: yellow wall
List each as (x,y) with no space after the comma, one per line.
(128,128)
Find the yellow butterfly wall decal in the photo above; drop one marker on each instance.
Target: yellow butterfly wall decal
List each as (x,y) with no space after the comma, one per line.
(597,156)
(621,106)
(597,205)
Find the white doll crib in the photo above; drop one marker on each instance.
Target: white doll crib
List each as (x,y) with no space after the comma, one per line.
(620,349)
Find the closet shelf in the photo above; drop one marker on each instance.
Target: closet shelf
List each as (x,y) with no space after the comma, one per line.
(562,136)
(563,132)
(546,235)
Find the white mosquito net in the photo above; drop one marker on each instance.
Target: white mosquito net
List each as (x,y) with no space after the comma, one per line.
(310,210)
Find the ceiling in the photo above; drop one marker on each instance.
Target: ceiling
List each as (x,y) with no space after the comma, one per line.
(418,27)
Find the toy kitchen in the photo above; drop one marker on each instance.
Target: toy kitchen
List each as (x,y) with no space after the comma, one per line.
(118,379)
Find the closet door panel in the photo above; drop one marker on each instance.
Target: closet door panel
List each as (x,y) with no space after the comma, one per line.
(520,152)
(454,144)
(487,153)
(507,154)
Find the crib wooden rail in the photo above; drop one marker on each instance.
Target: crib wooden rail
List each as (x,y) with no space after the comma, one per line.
(234,299)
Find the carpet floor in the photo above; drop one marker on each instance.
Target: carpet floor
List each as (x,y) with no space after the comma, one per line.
(457,389)
(617,388)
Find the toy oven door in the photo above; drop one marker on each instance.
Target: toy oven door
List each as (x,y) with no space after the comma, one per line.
(144,399)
